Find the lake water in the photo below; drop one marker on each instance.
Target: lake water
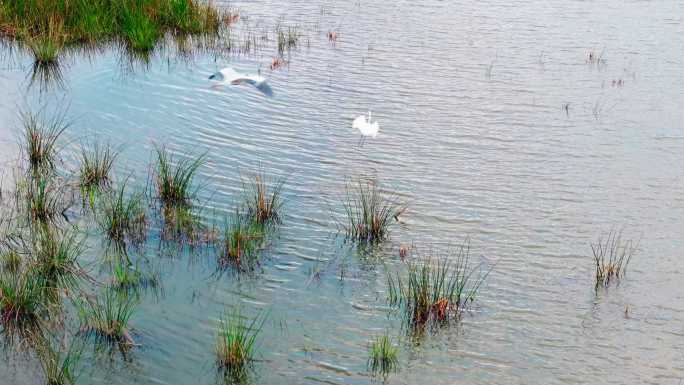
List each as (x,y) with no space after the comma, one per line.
(477,140)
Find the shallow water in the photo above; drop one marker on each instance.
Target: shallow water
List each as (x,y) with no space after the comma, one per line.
(474,137)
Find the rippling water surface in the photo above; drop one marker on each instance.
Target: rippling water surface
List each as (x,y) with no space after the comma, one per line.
(474,137)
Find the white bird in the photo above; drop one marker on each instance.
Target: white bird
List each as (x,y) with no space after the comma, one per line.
(231,76)
(366,127)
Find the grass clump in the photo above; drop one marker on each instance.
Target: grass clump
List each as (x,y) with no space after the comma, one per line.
(126,278)
(263,202)
(287,38)
(22,302)
(40,139)
(369,212)
(44,199)
(235,344)
(174,182)
(611,257)
(240,242)
(56,253)
(123,216)
(59,364)
(95,168)
(10,261)
(107,318)
(383,355)
(436,290)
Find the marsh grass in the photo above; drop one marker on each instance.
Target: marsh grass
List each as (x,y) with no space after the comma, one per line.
(130,279)
(96,163)
(182,224)
(612,254)
(369,212)
(56,253)
(174,179)
(263,199)
(235,345)
(107,317)
(241,241)
(383,355)
(40,139)
(123,216)
(436,290)
(59,364)
(139,24)
(46,199)
(287,37)
(22,303)
(10,261)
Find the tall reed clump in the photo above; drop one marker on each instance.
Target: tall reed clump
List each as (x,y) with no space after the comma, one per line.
(611,257)
(40,140)
(59,364)
(235,345)
(383,356)
(436,290)
(369,212)
(123,216)
(96,163)
(263,199)
(56,253)
(137,23)
(107,318)
(240,242)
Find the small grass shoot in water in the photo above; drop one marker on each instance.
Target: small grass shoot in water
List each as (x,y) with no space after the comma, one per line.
(611,257)
(263,199)
(240,243)
(369,212)
(383,356)
(235,345)
(40,140)
(122,216)
(436,290)
(96,164)
(107,318)
(21,303)
(174,181)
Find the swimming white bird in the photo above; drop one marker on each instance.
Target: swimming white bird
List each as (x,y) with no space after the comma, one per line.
(231,76)
(366,127)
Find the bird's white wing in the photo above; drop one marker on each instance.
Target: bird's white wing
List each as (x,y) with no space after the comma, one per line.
(359,122)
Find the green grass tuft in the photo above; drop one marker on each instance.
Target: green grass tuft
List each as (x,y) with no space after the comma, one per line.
(436,290)
(22,303)
(123,216)
(40,140)
(96,163)
(383,356)
(263,200)
(107,318)
(60,365)
(241,241)
(235,344)
(369,213)
(174,181)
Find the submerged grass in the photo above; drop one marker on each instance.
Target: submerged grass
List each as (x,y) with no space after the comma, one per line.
(107,318)
(137,23)
(235,345)
(96,163)
(436,290)
(369,212)
(383,356)
(611,257)
(128,278)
